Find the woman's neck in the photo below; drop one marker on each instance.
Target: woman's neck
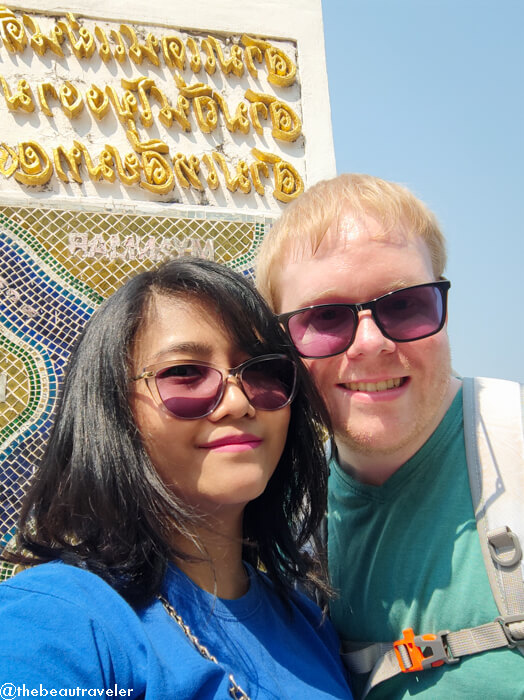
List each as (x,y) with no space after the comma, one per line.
(217,567)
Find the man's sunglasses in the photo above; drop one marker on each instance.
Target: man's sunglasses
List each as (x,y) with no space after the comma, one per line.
(407,314)
(193,390)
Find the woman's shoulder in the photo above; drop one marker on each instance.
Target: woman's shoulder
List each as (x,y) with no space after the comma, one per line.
(58,581)
(55,612)
(63,597)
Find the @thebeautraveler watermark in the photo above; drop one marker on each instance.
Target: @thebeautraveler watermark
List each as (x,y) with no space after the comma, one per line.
(8,691)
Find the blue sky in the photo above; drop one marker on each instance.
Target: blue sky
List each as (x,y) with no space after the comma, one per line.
(430,93)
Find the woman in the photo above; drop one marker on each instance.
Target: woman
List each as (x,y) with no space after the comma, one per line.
(168,482)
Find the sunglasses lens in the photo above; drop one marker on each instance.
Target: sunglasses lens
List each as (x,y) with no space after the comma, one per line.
(323,330)
(412,313)
(269,384)
(189,391)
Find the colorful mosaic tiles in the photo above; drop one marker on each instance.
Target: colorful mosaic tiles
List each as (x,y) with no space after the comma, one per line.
(56,266)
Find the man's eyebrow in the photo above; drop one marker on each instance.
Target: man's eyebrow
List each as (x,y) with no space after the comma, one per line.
(327,296)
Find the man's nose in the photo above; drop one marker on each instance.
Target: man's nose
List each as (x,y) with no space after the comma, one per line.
(369,339)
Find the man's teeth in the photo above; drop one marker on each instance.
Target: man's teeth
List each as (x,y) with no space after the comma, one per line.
(379,386)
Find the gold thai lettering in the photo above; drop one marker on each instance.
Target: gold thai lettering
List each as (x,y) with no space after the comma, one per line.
(125,107)
(137,52)
(83,45)
(195,61)
(13,32)
(95,172)
(255,169)
(71,99)
(212,175)
(194,90)
(206,109)
(186,171)
(142,146)
(253,53)
(141,85)
(129,169)
(136,97)
(43,90)
(167,112)
(21,99)
(40,42)
(152,169)
(73,158)
(288,183)
(205,101)
(231,57)
(286,123)
(159,176)
(239,121)
(210,63)
(119,51)
(240,180)
(6,153)
(206,112)
(255,108)
(108,166)
(97,101)
(174,52)
(233,64)
(35,164)
(104,50)
(281,69)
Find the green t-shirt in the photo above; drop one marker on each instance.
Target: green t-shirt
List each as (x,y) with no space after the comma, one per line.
(407,554)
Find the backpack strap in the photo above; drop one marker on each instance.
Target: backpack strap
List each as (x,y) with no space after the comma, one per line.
(493,433)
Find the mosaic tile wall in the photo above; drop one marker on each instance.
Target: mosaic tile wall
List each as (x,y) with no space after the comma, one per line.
(56,266)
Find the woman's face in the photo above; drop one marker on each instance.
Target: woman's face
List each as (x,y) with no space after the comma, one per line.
(225,459)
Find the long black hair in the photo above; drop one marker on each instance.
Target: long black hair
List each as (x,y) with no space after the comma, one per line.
(96,500)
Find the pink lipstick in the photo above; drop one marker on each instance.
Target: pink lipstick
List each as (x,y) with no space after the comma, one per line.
(233,443)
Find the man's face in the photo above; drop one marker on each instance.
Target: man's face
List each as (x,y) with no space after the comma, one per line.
(353,265)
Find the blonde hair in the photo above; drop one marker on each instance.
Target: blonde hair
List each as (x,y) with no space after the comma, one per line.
(302,226)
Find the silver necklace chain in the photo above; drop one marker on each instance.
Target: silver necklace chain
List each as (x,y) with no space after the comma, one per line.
(235,691)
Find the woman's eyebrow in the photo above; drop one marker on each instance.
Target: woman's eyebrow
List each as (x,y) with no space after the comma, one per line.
(198,349)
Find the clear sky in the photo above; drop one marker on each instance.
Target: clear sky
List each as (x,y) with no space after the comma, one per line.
(430,93)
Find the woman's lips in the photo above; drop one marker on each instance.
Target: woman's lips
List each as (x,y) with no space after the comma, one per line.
(233,443)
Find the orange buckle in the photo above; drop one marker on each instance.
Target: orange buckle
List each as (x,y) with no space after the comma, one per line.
(412,651)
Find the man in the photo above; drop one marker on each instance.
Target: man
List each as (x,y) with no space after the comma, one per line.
(403,548)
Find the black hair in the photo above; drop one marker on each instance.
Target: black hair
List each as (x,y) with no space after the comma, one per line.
(96,500)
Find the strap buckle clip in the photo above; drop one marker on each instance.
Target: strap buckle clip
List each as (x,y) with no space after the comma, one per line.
(505,623)
(418,653)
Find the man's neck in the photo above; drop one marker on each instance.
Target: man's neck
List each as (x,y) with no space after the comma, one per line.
(376,467)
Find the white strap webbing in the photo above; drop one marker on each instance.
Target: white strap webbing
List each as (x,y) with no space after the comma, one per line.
(495,455)
(380,660)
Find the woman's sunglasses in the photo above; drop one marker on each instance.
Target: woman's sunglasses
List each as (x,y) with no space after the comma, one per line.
(407,314)
(193,390)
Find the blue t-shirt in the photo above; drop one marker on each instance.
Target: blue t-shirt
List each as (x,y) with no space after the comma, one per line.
(63,627)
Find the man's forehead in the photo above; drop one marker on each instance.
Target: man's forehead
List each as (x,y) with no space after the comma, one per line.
(350,228)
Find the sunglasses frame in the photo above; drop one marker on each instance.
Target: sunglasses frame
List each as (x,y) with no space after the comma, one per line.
(442,285)
(151,372)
